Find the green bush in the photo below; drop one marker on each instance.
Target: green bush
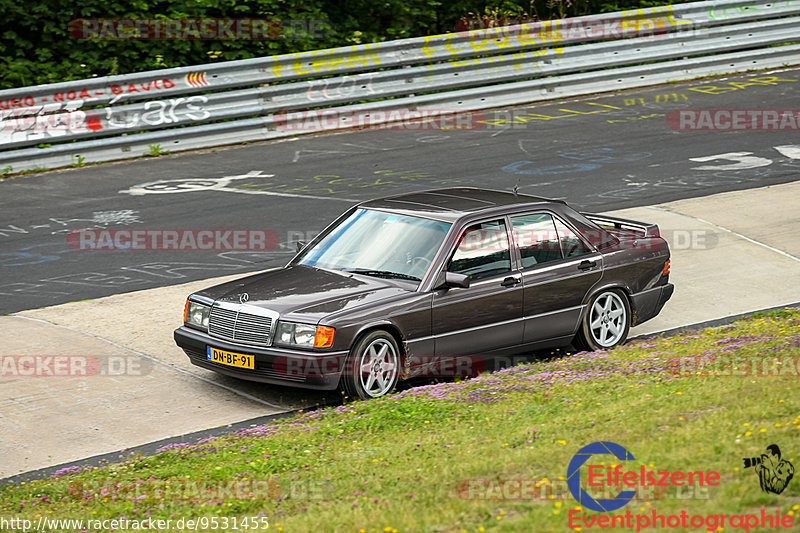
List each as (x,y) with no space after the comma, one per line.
(36,46)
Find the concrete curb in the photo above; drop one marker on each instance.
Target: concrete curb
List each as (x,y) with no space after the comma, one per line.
(147,450)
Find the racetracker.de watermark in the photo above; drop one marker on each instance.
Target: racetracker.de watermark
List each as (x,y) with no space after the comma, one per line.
(421,366)
(193,29)
(546,240)
(173,239)
(734,119)
(631,25)
(545,489)
(246,488)
(72,366)
(720,366)
(379,119)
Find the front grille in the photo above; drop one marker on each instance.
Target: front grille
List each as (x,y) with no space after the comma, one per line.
(235,325)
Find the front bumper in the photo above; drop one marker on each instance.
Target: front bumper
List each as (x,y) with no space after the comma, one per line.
(647,304)
(273,365)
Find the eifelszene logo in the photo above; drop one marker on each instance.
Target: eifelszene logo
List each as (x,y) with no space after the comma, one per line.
(601,476)
(774,473)
(574,476)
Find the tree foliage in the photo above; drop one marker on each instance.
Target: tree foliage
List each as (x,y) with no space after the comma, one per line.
(36,45)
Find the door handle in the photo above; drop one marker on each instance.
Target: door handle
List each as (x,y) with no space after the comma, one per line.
(510,281)
(587,265)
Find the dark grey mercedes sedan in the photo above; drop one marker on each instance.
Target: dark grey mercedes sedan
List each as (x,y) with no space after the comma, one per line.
(399,285)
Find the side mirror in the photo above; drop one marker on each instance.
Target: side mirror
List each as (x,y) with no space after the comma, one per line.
(448,280)
(301,245)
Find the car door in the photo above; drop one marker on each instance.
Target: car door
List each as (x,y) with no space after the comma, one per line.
(487,315)
(558,268)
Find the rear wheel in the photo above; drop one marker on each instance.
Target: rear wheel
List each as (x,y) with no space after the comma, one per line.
(373,367)
(606,322)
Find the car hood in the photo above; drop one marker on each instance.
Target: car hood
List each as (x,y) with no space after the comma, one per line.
(305,293)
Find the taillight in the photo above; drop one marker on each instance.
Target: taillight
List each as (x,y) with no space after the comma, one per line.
(666,268)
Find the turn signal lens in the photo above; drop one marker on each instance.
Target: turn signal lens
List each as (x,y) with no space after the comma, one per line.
(323,337)
(666,268)
(185,310)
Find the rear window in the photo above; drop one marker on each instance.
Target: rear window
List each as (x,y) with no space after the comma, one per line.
(595,235)
(571,244)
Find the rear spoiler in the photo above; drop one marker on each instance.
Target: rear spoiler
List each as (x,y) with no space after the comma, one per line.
(609,222)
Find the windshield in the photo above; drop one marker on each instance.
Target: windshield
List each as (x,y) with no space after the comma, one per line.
(379,244)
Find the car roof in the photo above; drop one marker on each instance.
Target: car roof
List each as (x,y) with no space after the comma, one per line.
(452,203)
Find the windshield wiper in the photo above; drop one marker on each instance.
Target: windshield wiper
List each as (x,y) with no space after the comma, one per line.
(382,274)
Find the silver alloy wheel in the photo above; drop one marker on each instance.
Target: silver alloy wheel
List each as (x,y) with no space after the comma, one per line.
(378,367)
(607,319)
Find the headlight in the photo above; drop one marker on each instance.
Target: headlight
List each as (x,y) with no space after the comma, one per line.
(196,314)
(304,335)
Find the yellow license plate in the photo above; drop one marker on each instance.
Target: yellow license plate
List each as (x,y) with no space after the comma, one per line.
(230,358)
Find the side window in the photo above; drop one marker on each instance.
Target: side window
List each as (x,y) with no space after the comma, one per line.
(570,242)
(536,236)
(482,251)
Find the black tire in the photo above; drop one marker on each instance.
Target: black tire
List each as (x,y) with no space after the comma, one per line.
(372,368)
(602,326)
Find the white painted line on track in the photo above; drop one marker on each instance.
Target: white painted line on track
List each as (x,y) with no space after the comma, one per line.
(289,195)
(734,233)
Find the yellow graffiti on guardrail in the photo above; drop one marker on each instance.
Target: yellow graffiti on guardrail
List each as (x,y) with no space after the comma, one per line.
(325,61)
(488,41)
(638,21)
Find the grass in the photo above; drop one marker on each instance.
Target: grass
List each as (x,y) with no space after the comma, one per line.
(155,150)
(438,457)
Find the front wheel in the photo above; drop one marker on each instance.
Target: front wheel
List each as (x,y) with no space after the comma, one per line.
(606,322)
(372,368)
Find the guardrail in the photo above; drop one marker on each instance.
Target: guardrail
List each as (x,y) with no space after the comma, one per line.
(119,117)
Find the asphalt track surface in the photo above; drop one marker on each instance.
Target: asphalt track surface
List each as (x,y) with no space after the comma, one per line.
(600,153)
